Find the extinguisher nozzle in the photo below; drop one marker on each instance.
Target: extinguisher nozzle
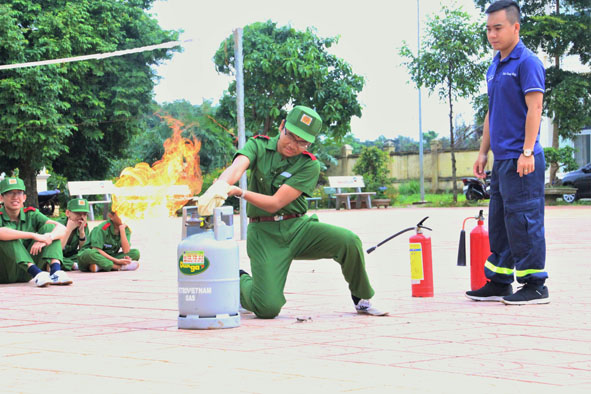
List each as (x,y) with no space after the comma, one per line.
(462,249)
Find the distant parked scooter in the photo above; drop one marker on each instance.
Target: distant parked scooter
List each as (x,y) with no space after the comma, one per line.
(476,188)
(47,201)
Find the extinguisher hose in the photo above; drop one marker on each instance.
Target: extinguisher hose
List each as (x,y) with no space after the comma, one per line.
(418,226)
(465,220)
(389,238)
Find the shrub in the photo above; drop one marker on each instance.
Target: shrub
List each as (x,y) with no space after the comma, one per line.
(373,166)
(408,188)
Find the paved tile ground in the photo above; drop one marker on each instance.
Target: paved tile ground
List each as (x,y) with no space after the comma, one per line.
(117,332)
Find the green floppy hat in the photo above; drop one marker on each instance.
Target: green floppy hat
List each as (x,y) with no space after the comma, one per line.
(304,122)
(12,183)
(78,205)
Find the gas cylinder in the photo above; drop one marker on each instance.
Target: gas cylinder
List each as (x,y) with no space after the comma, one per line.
(208,265)
(421,264)
(479,252)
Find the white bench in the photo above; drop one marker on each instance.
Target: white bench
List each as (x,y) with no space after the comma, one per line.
(313,201)
(351,182)
(92,188)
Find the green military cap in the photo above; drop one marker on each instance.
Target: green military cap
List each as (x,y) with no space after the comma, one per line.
(304,122)
(12,183)
(78,205)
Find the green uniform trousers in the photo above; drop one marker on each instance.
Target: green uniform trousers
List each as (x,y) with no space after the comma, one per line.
(69,261)
(15,256)
(271,247)
(92,256)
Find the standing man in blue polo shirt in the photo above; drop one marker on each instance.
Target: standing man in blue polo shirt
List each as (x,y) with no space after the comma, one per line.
(511,129)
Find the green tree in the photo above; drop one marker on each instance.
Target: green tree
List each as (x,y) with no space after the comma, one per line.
(560,28)
(563,156)
(373,166)
(74,117)
(283,66)
(451,63)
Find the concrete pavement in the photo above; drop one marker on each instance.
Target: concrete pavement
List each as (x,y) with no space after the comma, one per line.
(117,332)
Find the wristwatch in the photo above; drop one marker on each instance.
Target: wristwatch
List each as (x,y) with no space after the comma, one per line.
(527,152)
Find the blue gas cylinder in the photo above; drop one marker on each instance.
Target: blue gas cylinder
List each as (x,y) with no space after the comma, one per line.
(208,264)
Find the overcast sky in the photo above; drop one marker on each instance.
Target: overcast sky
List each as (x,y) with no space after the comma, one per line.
(371,34)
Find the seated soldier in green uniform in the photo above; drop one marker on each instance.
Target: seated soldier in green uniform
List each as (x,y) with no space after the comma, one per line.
(29,241)
(76,230)
(108,248)
(282,174)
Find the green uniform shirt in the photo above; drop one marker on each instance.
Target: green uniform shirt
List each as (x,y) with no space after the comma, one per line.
(72,244)
(30,220)
(106,236)
(269,170)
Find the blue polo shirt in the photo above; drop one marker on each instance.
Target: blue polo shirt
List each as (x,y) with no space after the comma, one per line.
(509,80)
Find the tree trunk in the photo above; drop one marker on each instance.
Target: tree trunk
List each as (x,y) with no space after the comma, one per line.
(29,176)
(555,131)
(452,145)
(267,125)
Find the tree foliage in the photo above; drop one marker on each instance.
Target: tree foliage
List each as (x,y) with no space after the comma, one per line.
(450,63)
(561,28)
(563,156)
(373,166)
(282,67)
(75,117)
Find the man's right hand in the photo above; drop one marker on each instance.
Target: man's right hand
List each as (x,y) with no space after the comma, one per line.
(213,197)
(479,165)
(124,261)
(44,238)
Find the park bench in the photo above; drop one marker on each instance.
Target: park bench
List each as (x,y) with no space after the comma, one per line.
(92,188)
(350,182)
(313,201)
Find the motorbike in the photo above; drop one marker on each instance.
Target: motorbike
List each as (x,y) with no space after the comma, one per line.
(47,201)
(476,188)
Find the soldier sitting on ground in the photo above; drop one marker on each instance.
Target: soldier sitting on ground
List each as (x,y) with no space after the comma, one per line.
(108,248)
(29,241)
(76,230)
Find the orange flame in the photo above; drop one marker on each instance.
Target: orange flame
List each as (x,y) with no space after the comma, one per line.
(160,190)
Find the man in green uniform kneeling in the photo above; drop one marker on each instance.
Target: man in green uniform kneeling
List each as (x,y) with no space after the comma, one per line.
(108,248)
(76,230)
(29,240)
(282,174)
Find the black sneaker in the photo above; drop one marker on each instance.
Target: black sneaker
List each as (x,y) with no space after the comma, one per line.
(528,294)
(491,291)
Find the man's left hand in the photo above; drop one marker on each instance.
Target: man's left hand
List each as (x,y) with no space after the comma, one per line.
(525,165)
(37,247)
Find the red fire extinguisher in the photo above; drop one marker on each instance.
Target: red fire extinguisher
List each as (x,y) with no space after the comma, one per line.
(421,263)
(479,251)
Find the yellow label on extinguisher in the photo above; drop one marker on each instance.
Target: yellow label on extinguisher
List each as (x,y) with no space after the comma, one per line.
(416,263)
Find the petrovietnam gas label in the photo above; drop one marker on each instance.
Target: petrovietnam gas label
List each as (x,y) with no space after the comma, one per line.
(193,262)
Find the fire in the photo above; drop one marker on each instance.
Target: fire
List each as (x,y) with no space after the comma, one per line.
(159,190)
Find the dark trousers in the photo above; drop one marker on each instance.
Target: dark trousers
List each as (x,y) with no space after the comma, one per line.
(516,224)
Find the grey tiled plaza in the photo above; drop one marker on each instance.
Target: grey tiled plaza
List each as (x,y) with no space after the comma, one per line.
(117,332)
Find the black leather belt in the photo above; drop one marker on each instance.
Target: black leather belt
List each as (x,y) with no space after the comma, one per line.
(276,218)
